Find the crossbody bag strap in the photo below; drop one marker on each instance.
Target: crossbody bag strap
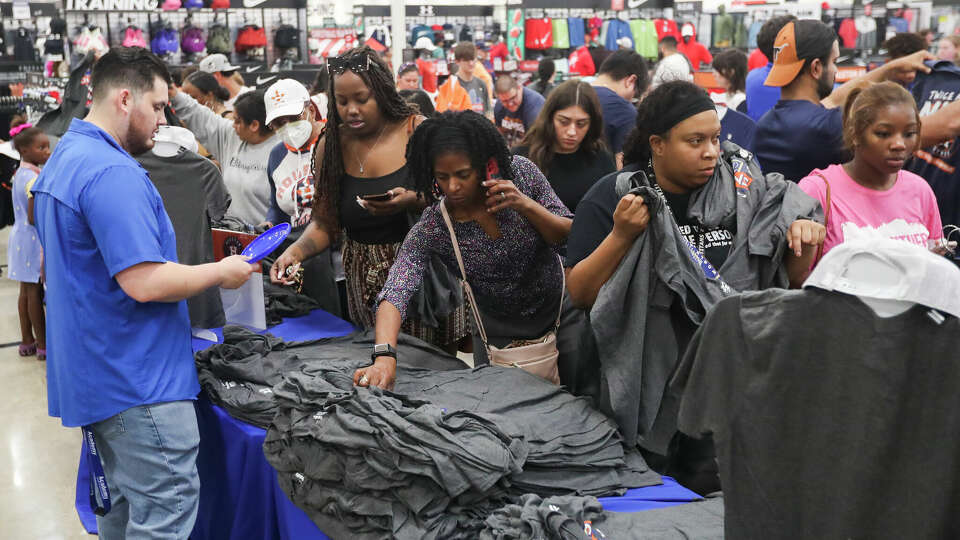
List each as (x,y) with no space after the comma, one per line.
(463,272)
(826,217)
(563,291)
(469,291)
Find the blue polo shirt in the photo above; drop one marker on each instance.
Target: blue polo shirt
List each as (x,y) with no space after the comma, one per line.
(760,97)
(97,214)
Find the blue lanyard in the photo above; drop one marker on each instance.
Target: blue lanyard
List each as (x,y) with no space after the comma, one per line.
(99,492)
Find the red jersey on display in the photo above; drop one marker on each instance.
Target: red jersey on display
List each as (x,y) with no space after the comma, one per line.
(667,27)
(539,33)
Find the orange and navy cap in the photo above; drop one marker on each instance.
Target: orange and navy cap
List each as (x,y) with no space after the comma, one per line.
(797,42)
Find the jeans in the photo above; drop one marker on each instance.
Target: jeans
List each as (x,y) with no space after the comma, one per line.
(149,457)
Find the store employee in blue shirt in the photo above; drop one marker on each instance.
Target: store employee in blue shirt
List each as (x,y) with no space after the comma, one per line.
(804,130)
(760,97)
(119,357)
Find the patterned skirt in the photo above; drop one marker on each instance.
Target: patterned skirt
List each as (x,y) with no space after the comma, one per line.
(366,267)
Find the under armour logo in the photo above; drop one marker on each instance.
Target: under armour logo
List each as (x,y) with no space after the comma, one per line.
(778,50)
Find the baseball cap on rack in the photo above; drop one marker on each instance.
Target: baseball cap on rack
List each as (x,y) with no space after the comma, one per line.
(796,43)
(285,97)
(216,63)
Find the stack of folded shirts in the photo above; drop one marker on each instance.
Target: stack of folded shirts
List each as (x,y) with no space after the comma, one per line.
(384,465)
(574,449)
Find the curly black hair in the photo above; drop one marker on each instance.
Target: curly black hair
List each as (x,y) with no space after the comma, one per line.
(650,117)
(462,131)
(379,79)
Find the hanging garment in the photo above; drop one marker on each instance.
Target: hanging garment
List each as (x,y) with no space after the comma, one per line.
(74,103)
(561,34)
(23,50)
(194,195)
(667,27)
(616,30)
(539,33)
(850,379)
(752,34)
(576,28)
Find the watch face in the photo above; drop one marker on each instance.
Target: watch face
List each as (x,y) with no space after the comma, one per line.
(381,348)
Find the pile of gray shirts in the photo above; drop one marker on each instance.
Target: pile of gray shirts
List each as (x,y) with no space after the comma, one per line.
(439,454)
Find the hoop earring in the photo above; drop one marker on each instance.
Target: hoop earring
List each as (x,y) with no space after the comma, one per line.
(437,192)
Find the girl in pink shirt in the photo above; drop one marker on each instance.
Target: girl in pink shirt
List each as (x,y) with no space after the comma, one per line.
(881,126)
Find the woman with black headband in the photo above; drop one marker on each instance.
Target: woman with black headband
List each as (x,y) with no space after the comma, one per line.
(363,190)
(653,247)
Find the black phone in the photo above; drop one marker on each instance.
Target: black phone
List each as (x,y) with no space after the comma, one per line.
(377,197)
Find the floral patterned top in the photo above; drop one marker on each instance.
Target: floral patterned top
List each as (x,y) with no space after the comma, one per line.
(513,276)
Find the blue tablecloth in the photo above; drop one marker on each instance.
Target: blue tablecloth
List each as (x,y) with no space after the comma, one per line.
(240,498)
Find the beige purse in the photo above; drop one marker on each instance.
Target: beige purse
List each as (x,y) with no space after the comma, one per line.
(538,358)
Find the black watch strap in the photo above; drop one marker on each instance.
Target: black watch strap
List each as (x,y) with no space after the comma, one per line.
(383,349)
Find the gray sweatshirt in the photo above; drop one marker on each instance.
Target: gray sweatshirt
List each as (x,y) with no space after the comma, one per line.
(244,164)
(647,312)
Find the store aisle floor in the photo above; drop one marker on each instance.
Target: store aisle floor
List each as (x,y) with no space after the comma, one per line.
(38,457)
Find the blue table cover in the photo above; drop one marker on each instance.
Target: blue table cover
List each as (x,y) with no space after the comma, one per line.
(240,498)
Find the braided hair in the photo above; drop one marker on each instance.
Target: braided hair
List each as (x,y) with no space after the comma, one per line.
(328,178)
(462,131)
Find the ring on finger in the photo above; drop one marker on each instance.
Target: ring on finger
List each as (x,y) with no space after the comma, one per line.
(503,196)
(364,380)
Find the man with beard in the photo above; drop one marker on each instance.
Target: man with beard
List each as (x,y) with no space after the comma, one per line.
(804,130)
(119,361)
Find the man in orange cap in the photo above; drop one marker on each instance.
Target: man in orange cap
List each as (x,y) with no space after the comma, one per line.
(804,130)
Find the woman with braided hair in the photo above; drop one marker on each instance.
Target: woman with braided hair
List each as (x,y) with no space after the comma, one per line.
(364,194)
(509,225)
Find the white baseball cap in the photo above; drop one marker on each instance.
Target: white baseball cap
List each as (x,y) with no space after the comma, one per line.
(285,97)
(423,42)
(215,63)
(687,30)
(170,139)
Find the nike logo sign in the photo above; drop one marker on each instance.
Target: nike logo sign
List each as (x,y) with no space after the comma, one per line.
(262,80)
(252,3)
(251,69)
(631,4)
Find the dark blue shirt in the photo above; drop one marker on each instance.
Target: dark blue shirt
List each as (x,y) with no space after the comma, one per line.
(619,117)
(760,97)
(98,214)
(938,164)
(738,128)
(514,124)
(798,136)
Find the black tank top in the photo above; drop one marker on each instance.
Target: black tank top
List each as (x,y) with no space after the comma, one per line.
(364,227)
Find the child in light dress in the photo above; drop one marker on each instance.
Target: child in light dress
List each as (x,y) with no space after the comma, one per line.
(24,254)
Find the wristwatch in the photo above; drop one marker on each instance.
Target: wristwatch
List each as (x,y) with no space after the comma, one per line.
(383,349)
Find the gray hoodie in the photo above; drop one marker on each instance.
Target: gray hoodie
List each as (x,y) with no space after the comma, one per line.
(646,313)
(244,165)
